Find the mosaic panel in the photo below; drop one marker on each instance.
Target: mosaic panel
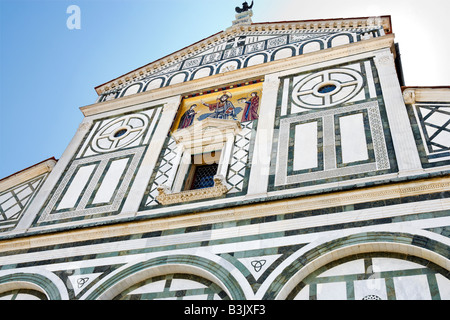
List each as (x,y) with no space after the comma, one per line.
(235,103)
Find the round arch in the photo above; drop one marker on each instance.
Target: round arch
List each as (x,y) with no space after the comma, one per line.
(312,46)
(33,281)
(195,265)
(235,64)
(154,83)
(282,53)
(131,89)
(306,262)
(202,72)
(179,77)
(255,59)
(340,39)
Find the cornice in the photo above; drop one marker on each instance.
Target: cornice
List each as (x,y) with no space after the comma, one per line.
(27,174)
(247,74)
(411,95)
(305,203)
(328,24)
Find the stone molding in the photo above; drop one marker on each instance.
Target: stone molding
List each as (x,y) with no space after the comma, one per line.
(27,174)
(166,197)
(404,189)
(411,95)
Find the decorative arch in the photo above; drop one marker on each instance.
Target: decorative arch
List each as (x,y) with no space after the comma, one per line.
(256,59)
(34,281)
(372,276)
(153,84)
(312,46)
(132,89)
(233,63)
(202,72)
(195,265)
(306,262)
(340,39)
(282,53)
(178,78)
(109,96)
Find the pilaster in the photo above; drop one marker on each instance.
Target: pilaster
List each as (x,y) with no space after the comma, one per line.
(408,159)
(151,156)
(260,165)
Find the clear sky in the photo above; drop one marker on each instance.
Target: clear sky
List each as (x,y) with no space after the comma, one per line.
(47,72)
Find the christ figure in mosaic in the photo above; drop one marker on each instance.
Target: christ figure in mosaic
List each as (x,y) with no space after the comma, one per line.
(223,109)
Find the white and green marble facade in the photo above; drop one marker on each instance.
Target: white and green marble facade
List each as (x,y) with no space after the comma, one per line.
(331,195)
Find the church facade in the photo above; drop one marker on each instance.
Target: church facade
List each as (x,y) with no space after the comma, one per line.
(269,161)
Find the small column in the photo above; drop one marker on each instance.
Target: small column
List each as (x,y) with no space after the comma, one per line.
(226,155)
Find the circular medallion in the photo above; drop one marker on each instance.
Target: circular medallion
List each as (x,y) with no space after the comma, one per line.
(120,133)
(327,88)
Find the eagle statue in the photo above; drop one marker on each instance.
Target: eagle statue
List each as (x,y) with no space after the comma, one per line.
(245,7)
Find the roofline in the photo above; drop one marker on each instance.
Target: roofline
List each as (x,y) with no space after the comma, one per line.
(424,87)
(332,19)
(27,174)
(158,60)
(34,165)
(237,28)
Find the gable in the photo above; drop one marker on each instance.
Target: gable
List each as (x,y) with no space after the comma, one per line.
(243,47)
(18,190)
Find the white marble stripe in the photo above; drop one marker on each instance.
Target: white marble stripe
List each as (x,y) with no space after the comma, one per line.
(250,230)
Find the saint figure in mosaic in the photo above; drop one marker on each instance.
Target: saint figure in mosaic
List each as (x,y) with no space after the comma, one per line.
(251,110)
(188,117)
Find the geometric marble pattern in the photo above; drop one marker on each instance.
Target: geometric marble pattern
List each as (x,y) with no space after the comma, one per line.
(434,127)
(83,202)
(329,87)
(162,175)
(14,201)
(258,265)
(372,278)
(329,126)
(329,156)
(239,161)
(244,50)
(309,92)
(97,179)
(116,133)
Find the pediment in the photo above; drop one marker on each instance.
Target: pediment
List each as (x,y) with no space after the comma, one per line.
(243,46)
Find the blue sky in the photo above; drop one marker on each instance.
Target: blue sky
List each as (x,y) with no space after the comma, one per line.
(47,72)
